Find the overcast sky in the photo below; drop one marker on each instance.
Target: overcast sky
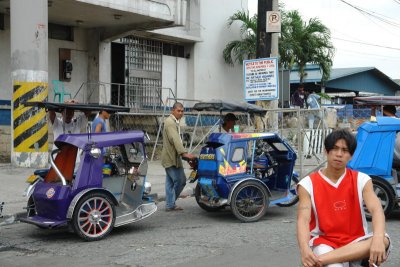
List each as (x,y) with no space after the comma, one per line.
(360,39)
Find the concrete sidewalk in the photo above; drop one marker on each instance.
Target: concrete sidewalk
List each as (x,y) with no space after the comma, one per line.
(12,186)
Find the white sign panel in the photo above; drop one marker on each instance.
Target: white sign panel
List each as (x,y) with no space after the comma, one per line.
(261,79)
(273,21)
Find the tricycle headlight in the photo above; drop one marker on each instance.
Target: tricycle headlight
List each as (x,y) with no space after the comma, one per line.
(95,152)
(147,187)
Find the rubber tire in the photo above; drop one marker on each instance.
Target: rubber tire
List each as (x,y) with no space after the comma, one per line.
(295,198)
(197,195)
(385,190)
(234,198)
(75,217)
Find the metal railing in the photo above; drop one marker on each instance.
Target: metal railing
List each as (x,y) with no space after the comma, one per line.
(139,98)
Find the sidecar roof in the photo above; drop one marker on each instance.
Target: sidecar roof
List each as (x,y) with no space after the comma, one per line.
(225,138)
(100,139)
(375,142)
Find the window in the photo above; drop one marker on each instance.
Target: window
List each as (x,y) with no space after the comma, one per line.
(135,152)
(173,50)
(61,32)
(238,154)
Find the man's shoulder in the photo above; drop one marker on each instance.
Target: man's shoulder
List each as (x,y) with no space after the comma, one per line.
(169,121)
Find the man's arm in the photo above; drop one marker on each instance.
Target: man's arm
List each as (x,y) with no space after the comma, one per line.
(377,251)
(174,138)
(98,128)
(308,258)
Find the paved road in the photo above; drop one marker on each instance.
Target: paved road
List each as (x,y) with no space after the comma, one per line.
(191,237)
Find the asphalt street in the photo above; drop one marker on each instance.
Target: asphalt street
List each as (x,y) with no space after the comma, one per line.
(192,237)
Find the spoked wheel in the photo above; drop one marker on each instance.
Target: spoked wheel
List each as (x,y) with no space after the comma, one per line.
(197,195)
(249,201)
(385,195)
(94,216)
(294,198)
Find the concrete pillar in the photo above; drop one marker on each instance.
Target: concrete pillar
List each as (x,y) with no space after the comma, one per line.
(29,74)
(93,88)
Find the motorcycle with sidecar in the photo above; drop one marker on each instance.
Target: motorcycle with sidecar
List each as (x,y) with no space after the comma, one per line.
(247,171)
(107,188)
(374,156)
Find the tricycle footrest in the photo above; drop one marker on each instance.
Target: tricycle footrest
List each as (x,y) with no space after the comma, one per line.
(44,222)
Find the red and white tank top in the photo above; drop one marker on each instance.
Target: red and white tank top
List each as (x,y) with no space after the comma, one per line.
(337,216)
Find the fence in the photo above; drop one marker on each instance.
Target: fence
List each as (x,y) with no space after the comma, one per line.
(292,125)
(138,97)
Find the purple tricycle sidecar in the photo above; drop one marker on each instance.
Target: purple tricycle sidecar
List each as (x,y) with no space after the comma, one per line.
(108,189)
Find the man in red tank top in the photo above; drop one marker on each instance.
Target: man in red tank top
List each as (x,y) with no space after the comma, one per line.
(331,225)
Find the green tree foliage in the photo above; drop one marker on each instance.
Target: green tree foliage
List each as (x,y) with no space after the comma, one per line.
(245,48)
(299,43)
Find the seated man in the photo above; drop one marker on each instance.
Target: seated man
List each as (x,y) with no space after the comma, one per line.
(331,226)
(229,123)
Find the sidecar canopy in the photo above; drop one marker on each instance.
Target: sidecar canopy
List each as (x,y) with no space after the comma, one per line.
(100,139)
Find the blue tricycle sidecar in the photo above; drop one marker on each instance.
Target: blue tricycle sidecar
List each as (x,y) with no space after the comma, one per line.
(374,156)
(248,171)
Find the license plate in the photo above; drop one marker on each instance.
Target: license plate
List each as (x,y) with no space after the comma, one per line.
(31,179)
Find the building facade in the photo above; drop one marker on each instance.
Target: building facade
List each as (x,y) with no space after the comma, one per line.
(111,51)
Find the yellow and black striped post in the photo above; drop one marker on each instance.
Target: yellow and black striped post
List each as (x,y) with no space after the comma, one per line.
(29,75)
(29,123)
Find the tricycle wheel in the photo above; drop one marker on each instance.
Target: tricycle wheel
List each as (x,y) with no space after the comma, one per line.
(294,198)
(197,195)
(94,216)
(249,201)
(385,195)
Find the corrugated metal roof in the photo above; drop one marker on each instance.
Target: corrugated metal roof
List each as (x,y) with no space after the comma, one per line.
(360,79)
(314,74)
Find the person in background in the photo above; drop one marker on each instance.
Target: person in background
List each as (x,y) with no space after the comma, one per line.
(68,123)
(390,111)
(298,97)
(229,123)
(171,158)
(99,123)
(313,103)
(332,229)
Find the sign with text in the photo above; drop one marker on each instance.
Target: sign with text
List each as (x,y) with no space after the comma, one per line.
(273,21)
(261,79)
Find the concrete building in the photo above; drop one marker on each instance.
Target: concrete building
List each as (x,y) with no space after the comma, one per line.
(112,51)
(195,33)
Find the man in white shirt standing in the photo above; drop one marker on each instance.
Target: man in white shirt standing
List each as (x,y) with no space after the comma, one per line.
(67,123)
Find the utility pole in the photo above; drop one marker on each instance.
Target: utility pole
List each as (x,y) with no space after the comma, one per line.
(267,46)
(263,38)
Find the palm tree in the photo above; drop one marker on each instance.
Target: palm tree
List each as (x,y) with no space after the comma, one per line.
(238,50)
(301,43)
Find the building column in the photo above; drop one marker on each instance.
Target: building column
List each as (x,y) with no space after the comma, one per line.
(29,74)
